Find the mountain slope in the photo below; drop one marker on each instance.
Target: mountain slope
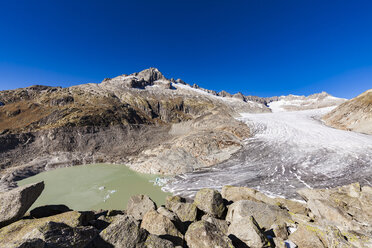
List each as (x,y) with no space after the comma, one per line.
(144,120)
(354,115)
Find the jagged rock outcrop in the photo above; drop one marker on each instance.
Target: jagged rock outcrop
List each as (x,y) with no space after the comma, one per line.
(354,115)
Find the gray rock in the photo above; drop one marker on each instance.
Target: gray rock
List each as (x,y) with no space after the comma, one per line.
(154,241)
(248,231)
(172,200)
(280,231)
(167,213)
(266,215)
(220,224)
(48,210)
(16,202)
(202,234)
(123,232)
(186,212)
(305,237)
(160,225)
(210,201)
(139,205)
(63,236)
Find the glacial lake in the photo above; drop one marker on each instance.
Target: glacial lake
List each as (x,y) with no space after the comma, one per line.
(94,187)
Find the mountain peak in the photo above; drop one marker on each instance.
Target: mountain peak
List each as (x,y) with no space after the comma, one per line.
(150,75)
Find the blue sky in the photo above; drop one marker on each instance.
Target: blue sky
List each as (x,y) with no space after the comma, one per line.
(258,47)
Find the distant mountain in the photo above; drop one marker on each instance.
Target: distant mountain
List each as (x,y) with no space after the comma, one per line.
(354,115)
(295,103)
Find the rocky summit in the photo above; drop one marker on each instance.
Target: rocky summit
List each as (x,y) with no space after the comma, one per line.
(237,217)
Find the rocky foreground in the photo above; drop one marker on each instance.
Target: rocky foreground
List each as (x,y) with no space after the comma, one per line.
(236,217)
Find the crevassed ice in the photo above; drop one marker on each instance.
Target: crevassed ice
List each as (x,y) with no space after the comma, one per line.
(288,151)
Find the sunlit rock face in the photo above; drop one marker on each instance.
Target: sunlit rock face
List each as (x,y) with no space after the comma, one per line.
(354,115)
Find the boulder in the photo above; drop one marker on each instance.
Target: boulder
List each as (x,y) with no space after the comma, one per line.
(248,231)
(266,215)
(48,210)
(123,232)
(220,224)
(210,201)
(172,200)
(28,229)
(186,212)
(202,234)
(154,241)
(61,235)
(16,202)
(167,213)
(160,225)
(306,237)
(232,193)
(138,205)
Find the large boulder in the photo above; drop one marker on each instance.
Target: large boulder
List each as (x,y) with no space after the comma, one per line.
(63,236)
(16,202)
(210,201)
(48,210)
(248,231)
(160,225)
(202,234)
(186,212)
(266,215)
(123,232)
(25,230)
(139,205)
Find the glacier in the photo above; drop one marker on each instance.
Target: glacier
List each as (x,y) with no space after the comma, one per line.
(287,151)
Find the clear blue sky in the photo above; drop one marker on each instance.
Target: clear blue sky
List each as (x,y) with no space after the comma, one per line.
(259,47)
